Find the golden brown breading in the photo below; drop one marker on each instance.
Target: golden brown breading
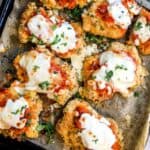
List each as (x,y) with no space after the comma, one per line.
(59,4)
(32,114)
(60,90)
(69,132)
(91,64)
(23,32)
(144,48)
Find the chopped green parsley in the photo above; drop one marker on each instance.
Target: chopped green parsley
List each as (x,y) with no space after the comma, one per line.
(44,85)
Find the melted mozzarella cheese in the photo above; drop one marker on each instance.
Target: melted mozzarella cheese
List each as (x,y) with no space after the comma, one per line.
(142,29)
(117,70)
(113,1)
(119,13)
(19,90)
(41,28)
(12,113)
(96,133)
(64,38)
(134,7)
(37,66)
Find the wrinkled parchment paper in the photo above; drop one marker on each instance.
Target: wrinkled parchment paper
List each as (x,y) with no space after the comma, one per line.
(131,114)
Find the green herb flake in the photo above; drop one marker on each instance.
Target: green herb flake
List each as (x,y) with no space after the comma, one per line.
(93,77)
(19,110)
(138,26)
(35,68)
(74,14)
(49,130)
(69,28)
(77,95)
(109,75)
(136,94)
(44,85)
(64,44)
(56,40)
(55,97)
(102,42)
(54,27)
(33,38)
(16,112)
(121,67)
(62,35)
(28,123)
(40,42)
(95,141)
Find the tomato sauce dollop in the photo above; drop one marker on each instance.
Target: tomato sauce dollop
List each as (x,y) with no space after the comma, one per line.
(68,3)
(102,12)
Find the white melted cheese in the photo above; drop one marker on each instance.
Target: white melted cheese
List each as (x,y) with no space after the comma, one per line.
(122,69)
(134,8)
(77,59)
(37,66)
(96,133)
(64,38)
(113,1)
(143,31)
(12,113)
(41,28)
(119,13)
(19,90)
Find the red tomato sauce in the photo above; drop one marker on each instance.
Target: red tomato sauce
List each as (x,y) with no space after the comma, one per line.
(56,68)
(103,13)
(68,3)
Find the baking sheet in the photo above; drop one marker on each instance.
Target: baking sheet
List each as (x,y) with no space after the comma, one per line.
(131,114)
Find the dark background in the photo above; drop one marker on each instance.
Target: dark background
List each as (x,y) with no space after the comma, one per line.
(7,144)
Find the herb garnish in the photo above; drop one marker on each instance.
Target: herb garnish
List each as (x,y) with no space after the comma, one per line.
(62,35)
(102,42)
(56,40)
(136,94)
(35,68)
(120,67)
(74,14)
(44,85)
(93,77)
(49,129)
(54,27)
(19,110)
(64,44)
(40,42)
(96,140)
(138,25)
(35,39)
(109,75)
(77,95)
(28,123)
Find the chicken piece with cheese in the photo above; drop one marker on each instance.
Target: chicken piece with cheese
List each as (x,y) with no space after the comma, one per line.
(140,35)
(117,70)
(110,18)
(70,4)
(19,115)
(83,128)
(45,27)
(44,73)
